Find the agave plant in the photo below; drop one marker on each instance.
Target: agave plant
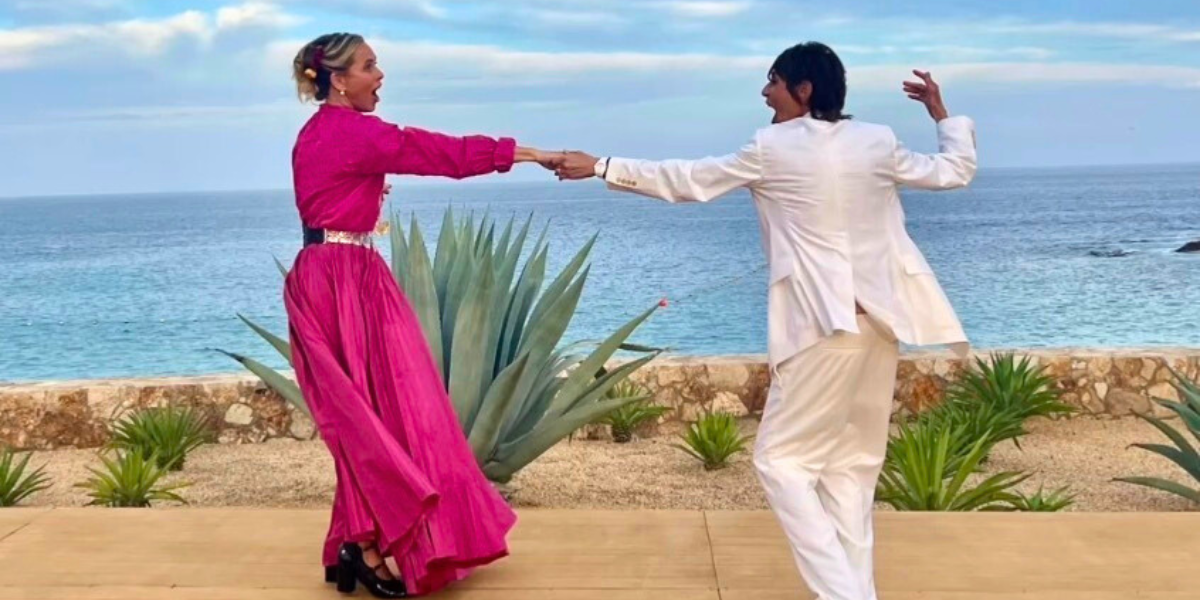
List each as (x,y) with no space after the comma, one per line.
(129,480)
(924,470)
(1043,501)
(169,433)
(495,335)
(623,421)
(713,440)
(15,484)
(979,421)
(998,396)
(1182,453)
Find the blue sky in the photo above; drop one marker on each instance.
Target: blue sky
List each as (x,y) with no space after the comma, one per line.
(106,96)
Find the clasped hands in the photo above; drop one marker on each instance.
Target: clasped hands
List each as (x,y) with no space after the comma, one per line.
(566,164)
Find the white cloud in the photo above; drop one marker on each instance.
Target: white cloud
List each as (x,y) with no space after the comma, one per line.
(889,76)
(255,14)
(158,118)
(834,21)
(910,30)
(575,19)
(1029,52)
(151,37)
(432,9)
(947,52)
(26,47)
(1098,29)
(70,4)
(707,8)
(71,8)
(176,114)
(20,48)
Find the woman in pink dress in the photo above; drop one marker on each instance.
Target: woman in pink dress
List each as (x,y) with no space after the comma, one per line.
(408,486)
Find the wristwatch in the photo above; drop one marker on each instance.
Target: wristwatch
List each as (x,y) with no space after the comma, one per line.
(602,167)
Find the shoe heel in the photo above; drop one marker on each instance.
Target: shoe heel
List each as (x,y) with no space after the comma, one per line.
(331,574)
(345,579)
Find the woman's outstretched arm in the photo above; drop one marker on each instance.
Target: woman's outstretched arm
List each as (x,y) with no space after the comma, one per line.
(415,151)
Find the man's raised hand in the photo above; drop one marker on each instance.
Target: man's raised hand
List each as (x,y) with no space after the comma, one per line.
(927,92)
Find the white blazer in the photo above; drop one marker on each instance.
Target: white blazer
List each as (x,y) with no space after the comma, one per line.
(832,224)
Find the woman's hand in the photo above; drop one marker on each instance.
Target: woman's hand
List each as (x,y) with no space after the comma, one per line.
(927,92)
(548,160)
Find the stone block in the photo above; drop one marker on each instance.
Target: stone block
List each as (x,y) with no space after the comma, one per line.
(239,414)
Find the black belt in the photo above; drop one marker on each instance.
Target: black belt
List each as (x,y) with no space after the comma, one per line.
(330,236)
(313,236)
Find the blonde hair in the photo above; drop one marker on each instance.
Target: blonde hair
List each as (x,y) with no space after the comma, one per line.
(318,60)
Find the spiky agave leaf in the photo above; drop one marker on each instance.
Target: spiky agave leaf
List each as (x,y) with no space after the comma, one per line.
(274,379)
(281,345)
(422,293)
(1182,453)
(15,484)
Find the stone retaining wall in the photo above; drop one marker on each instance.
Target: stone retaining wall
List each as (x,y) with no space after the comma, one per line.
(78,414)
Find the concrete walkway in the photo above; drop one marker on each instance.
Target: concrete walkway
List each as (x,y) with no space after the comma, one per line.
(234,554)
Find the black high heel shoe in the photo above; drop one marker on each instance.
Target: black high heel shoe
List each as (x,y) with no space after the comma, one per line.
(331,574)
(353,569)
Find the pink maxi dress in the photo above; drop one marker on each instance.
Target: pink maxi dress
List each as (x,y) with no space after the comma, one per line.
(406,477)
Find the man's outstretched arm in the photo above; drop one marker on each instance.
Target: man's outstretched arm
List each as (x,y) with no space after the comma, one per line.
(671,180)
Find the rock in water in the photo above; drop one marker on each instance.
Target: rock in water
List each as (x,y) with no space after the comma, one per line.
(1193,246)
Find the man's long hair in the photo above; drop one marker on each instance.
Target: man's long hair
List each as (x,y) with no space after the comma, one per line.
(817,64)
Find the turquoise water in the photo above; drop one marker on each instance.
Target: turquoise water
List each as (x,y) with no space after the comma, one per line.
(113,286)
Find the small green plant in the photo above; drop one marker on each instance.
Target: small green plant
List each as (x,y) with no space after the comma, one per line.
(15,484)
(1043,501)
(713,440)
(997,397)
(169,432)
(1182,453)
(623,421)
(926,470)
(979,422)
(129,480)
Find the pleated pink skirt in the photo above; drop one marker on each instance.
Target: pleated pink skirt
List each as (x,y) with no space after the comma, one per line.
(406,477)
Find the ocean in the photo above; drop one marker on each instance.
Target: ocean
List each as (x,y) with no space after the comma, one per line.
(150,284)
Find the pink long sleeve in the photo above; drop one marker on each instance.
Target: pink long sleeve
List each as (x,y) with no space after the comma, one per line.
(414,151)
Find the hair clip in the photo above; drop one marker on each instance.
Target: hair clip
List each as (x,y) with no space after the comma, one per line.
(309,73)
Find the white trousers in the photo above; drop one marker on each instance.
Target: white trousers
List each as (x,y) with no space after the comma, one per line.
(819,451)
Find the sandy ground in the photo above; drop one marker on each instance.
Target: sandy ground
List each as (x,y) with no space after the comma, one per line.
(648,473)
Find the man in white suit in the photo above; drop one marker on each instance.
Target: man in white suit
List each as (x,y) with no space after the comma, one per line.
(846,284)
